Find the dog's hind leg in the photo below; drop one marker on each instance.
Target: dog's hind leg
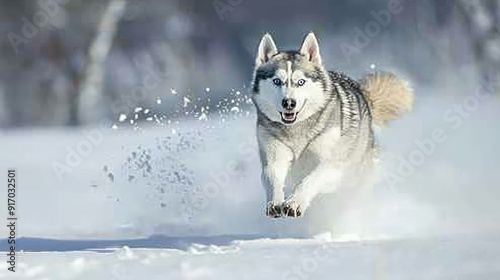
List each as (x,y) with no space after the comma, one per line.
(323,179)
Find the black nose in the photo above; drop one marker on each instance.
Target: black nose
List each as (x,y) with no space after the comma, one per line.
(288,103)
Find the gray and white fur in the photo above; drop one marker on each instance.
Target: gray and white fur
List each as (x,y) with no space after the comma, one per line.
(315,127)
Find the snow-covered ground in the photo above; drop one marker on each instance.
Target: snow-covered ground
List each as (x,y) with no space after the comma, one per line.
(458,258)
(184,201)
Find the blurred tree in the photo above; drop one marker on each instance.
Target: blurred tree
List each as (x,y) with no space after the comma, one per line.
(90,95)
(483,21)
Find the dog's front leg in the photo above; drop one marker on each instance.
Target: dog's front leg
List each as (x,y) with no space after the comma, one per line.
(323,179)
(276,159)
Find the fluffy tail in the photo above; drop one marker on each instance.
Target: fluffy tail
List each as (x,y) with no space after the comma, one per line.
(388,96)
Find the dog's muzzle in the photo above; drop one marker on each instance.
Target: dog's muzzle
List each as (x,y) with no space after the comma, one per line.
(289,115)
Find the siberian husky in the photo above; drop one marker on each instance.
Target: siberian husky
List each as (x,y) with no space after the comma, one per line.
(316,126)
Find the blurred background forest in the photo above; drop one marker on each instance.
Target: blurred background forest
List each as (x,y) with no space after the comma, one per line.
(74,62)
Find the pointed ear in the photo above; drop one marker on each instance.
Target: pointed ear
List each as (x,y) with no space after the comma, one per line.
(310,48)
(267,49)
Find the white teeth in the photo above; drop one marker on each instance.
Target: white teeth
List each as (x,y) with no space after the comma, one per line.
(289,117)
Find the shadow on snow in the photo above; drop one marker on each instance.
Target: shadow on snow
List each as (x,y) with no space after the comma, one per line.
(29,244)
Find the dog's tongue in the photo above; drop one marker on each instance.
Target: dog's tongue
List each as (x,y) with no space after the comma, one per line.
(289,116)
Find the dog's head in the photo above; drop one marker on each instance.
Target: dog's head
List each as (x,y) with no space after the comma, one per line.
(289,86)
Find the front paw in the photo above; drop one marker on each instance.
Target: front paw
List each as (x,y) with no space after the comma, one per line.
(292,208)
(274,209)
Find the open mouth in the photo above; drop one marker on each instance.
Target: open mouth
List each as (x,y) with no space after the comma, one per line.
(288,118)
(291,117)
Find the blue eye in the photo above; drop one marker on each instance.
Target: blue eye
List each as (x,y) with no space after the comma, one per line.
(301,82)
(277,82)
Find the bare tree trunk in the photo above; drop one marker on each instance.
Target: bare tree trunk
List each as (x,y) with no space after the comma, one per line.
(91,87)
(483,20)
